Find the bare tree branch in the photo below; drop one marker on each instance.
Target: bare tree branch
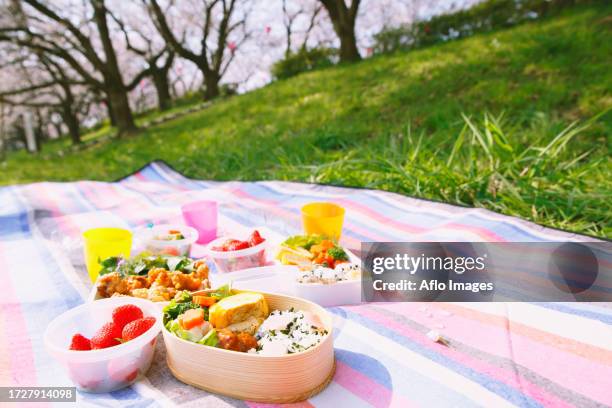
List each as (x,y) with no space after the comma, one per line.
(84,41)
(218,28)
(166,32)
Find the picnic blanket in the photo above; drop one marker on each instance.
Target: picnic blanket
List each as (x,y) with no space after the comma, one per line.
(500,354)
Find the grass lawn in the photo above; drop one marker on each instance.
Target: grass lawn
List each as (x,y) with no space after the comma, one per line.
(517,121)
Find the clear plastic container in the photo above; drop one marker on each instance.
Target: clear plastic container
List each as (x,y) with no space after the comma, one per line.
(149,238)
(328,295)
(107,369)
(230,261)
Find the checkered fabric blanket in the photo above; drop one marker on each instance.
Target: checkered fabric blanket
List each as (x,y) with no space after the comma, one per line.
(500,354)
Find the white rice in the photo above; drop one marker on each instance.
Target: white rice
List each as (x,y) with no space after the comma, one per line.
(321,274)
(287,332)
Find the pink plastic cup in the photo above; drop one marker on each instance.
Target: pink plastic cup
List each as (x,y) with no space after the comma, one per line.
(202,215)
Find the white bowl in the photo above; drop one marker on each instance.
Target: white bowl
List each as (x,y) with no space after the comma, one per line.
(283,279)
(334,294)
(230,261)
(107,369)
(273,278)
(179,247)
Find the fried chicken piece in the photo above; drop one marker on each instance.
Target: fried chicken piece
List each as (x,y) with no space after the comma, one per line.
(228,340)
(246,342)
(137,282)
(201,269)
(142,293)
(159,284)
(160,293)
(160,277)
(241,342)
(112,283)
(184,281)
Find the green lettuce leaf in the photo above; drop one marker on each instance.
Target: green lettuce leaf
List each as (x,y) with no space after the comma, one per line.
(222,292)
(210,339)
(303,241)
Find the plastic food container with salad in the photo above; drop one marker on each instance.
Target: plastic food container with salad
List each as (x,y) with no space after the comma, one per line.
(165,239)
(230,254)
(329,274)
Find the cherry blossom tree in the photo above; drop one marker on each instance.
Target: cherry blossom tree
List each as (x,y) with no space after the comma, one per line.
(79,37)
(220,28)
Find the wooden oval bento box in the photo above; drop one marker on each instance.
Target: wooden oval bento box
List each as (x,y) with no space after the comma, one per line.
(282,379)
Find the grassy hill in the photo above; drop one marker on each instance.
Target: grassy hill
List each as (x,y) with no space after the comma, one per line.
(486,121)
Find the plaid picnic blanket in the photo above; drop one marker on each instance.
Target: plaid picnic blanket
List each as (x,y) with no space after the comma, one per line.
(500,354)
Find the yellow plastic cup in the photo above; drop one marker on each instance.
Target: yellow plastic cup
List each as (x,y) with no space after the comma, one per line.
(323,219)
(101,243)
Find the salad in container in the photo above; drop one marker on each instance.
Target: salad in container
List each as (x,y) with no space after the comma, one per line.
(326,274)
(230,254)
(165,239)
(307,250)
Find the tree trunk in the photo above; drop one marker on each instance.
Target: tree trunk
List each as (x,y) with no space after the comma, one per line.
(39,129)
(69,114)
(72,123)
(343,18)
(211,81)
(113,81)
(109,110)
(121,111)
(2,133)
(162,87)
(348,44)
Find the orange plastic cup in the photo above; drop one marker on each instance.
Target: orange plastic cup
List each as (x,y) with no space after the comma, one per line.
(101,243)
(324,219)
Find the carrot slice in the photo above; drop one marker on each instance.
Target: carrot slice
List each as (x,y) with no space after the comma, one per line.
(193,318)
(326,244)
(204,300)
(320,258)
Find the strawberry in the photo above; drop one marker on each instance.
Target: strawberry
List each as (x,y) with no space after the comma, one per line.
(132,376)
(137,327)
(123,369)
(224,246)
(255,238)
(80,342)
(106,336)
(229,243)
(124,314)
(238,245)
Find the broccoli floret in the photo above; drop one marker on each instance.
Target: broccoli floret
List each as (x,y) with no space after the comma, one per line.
(337,253)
